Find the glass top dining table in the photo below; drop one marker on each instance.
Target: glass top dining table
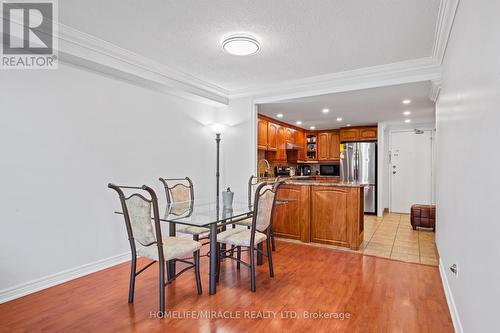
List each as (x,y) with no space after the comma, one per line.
(203,213)
(212,216)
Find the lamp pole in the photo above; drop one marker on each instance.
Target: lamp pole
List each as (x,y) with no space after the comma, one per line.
(217,173)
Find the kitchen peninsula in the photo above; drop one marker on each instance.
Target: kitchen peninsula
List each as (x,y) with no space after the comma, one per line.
(321,211)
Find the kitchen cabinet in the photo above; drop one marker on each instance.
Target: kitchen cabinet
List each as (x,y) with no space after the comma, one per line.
(301,141)
(262,127)
(349,134)
(272,136)
(337,215)
(311,146)
(291,220)
(320,213)
(323,146)
(290,135)
(328,146)
(281,144)
(367,133)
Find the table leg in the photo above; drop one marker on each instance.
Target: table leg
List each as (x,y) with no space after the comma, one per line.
(259,253)
(213,258)
(171,263)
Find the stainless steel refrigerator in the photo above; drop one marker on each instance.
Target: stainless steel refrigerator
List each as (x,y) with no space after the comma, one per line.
(358,163)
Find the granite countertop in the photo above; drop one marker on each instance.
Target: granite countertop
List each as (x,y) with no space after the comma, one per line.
(305,182)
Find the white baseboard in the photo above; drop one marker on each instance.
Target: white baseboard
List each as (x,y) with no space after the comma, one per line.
(58,278)
(449,299)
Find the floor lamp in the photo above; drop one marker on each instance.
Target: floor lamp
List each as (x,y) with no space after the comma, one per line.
(217,128)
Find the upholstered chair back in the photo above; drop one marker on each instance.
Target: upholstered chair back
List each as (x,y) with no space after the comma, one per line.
(178,189)
(139,214)
(263,204)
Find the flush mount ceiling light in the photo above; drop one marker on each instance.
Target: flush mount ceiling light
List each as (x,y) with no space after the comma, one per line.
(325,110)
(312,127)
(408,121)
(406,101)
(348,125)
(407,113)
(279,115)
(339,119)
(241,45)
(298,122)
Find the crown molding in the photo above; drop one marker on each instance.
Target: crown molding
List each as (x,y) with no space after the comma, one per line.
(446,16)
(84,50)
(416,70)
(435,90)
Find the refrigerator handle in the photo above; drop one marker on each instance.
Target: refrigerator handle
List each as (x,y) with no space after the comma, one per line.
(356,166)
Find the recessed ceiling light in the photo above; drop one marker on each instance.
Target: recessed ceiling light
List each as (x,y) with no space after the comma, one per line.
(348,125)
(325,110)
(298,122)
(406,101)
(407,121)
(339,119)
(312,127)
(407,113)
(241,45)
(279,115)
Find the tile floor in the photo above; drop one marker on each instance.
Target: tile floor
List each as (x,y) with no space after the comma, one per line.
(392,236)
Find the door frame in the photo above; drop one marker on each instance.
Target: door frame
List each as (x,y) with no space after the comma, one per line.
(433,159)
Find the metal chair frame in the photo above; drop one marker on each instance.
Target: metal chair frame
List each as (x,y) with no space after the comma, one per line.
(252,249)
(162,266)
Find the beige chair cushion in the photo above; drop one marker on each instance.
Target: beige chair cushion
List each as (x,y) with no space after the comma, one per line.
(173,248)
(246,222)
(187,229)
(239,237)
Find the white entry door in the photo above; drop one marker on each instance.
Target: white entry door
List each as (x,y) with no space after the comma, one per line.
(410,169)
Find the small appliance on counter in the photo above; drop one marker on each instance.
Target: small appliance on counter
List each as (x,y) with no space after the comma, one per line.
(304,170)
(329,170)
(281,171)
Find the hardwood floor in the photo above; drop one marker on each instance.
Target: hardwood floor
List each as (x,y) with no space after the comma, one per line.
(380,295)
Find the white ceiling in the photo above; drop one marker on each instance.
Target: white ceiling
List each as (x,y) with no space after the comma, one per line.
(360,107)
(299,38)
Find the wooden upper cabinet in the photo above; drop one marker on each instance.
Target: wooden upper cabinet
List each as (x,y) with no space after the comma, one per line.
(272,136)
(281,143)
(368,133)
(349,134)
(358,134)
(291,135)
(328,146)
(334,153)
(323,146)
(301,141)
(262,134)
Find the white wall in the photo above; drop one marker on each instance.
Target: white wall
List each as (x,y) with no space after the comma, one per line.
(238,145)
(468,162)
(66,133)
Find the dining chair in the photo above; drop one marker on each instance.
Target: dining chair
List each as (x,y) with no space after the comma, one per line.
(259,232)
(181,191)
(145,239)
(253,182)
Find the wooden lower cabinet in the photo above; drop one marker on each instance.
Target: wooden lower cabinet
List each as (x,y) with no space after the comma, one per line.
(321,214)
(291,220)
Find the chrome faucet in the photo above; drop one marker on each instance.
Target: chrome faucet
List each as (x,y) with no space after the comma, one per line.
(268,167)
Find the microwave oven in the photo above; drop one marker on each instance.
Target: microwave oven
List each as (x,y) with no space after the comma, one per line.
(329,170)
